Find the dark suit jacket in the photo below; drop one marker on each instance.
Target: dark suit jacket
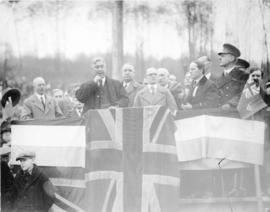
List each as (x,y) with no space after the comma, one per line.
(33,192)
(265,96)
(89,91)
(206,95)
(231,86)
(7,181)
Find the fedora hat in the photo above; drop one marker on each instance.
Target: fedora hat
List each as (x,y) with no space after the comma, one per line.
(15,95)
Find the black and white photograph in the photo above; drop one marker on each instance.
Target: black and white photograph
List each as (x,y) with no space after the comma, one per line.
(135,105)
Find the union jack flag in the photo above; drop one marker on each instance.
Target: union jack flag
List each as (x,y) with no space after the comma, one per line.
(131,160)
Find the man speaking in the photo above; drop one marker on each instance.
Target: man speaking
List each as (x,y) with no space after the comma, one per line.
(102,91)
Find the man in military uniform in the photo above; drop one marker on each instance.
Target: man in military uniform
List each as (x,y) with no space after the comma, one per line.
(233,80)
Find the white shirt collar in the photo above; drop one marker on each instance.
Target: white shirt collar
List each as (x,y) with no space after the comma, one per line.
(208,75)
(227,71)
(40,96)
(198,80)
(103,80)
(126,84)
(152,86)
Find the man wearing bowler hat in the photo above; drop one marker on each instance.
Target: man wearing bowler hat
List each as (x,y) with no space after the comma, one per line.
(233,80)
(32,190)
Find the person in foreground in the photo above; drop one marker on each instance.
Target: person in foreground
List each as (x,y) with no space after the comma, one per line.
(32,190)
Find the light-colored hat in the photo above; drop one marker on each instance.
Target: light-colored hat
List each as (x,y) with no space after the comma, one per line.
(26,154)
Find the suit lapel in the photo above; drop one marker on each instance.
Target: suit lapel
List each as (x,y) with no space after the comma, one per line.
(48,103)
(37,102)
(158,96)
(34,178)
(147,96)
(223,80)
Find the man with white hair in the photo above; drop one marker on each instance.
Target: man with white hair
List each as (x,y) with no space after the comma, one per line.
(129,83)
(40,105)
(154,94)
(163,77)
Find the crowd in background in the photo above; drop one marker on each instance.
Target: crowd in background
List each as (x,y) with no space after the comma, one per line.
(199,90)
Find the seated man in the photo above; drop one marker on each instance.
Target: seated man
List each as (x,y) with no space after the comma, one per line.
(203,93)
(154,94)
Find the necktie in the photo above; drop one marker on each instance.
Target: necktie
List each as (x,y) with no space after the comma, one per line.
(100,83)
(42,101)
(194,91)
(152,89)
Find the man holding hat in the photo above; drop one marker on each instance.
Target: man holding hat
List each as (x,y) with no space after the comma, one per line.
(32,190)
(233,80)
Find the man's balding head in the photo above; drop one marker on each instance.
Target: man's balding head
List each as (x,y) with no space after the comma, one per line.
(163,76)
(152,75)
(39,85)
(128,72)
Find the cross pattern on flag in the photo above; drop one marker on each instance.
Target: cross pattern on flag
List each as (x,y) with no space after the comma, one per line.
(131,160)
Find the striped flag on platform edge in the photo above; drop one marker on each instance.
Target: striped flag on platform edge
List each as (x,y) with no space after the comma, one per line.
(131,160)
(238,142)
(60,154)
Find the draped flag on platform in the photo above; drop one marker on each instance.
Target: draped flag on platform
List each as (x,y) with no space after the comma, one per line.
(127,161)
(131,160)
(60,154)
(235,141)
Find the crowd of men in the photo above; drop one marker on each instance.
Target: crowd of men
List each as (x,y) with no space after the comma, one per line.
(200,90)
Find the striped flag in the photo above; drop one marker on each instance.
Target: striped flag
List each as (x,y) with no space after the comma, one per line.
(131,160)
(214,138)
(119,160)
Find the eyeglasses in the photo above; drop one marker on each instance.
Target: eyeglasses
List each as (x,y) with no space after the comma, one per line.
(256,75)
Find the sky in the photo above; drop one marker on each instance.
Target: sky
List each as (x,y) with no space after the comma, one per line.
(235,21)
